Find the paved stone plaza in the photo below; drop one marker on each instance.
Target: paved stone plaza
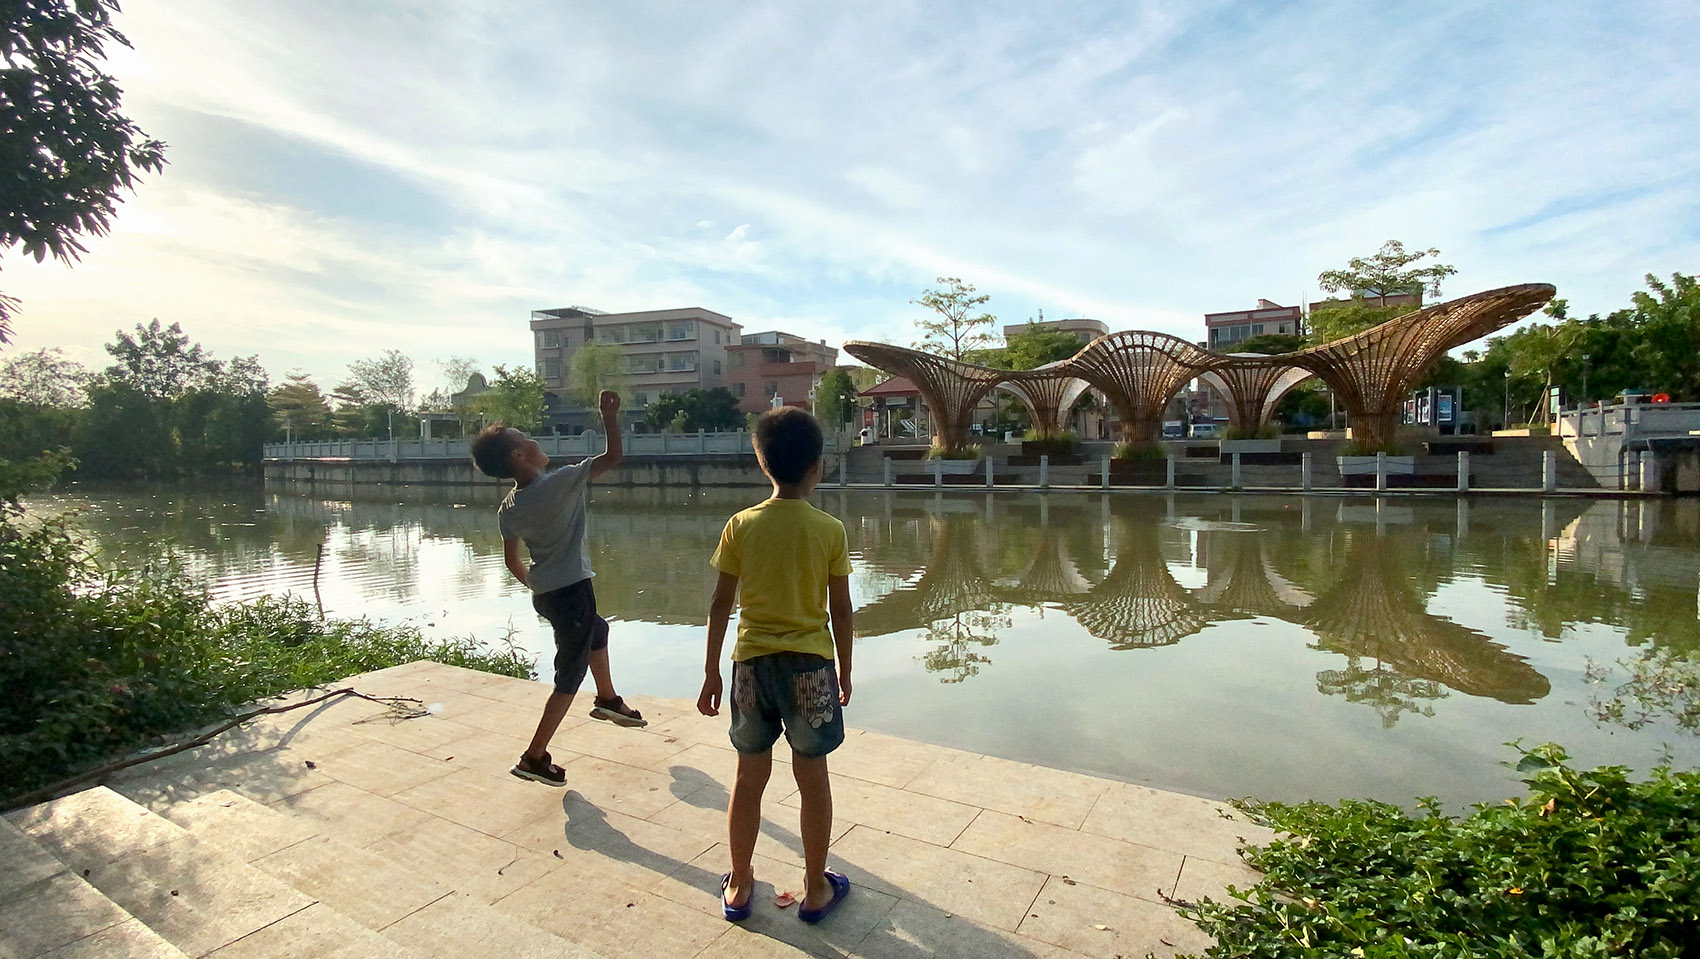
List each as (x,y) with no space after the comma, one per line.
(339,830)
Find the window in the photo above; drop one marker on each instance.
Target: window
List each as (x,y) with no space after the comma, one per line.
(716,367)
(681,331)
(641,399)
(772,387)
(737,360)
(549,369)
(717,337)
(612,334)
(548,339)
(681,362)
(643,364)
(738,390)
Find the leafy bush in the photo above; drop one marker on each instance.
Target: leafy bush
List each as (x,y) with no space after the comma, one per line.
(98,662)
(1061,443)
(1591,863)
(938,452)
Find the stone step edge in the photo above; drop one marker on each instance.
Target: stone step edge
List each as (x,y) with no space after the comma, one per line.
(16,835)
(230,798)
(212,858)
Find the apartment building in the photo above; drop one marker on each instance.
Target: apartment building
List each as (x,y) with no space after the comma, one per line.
(662,351)
(1223,330)
(774,363)
(1084,329)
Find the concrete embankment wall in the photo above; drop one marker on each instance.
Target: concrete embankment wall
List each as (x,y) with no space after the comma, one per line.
(673,469)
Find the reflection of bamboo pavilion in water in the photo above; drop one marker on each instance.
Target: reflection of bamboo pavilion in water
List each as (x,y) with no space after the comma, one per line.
(1364,606)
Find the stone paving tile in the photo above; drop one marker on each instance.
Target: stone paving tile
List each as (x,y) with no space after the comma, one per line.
(1173,821)
(491,752)
(519,692)
(615,786)
(612,916)
(93,827)
(514,719)
(984,890)
(130,939)
(345,879)
(634,747)
(1020,789)
(26,862)
(382,769)
(703,813)
(914,929)
(353,815)
(471,863)
(689,727)
(54,912)
(1069,916)
(586,839)
(1107,863)
(316,932)
(457,927)
(938,821)
(771,930)
(272,775)
(876,757)
(1206,877)
(490,802)
(417,734)
(237,825)
(195,898)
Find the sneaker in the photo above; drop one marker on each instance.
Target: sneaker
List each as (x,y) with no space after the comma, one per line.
(542,770)
(617,712)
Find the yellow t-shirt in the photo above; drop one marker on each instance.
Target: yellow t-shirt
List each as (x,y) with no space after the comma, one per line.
(782,551)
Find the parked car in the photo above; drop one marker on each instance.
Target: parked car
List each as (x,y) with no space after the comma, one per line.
(1203,430)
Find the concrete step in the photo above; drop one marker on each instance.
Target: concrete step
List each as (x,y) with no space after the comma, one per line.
(415,906)
(194,894)
(47,909)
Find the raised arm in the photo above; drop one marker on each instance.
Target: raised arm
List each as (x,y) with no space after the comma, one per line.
(843,632)
(614,451)
(719,614)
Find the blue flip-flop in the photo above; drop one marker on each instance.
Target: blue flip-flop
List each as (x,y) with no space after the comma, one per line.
(731,912)
(840,889)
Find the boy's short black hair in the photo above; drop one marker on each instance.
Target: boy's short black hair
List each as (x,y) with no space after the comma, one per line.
(492,449)
(788,443)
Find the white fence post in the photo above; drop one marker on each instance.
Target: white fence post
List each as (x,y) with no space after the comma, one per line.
(1304,472)
(887,460)
(844,468)
(1044,470)
(702,444)
(1463,471)
(1105,475)
(989,482)
(938,472)
(1169,482)
(1549,471)
(1381,471)
(1236,474)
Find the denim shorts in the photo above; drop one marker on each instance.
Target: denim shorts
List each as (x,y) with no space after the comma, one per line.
(796,693)
(571,611)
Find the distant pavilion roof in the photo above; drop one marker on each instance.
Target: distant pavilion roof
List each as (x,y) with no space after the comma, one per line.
(896,386)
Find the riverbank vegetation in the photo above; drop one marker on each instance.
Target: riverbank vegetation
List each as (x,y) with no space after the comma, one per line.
(97,660)
(1590,863)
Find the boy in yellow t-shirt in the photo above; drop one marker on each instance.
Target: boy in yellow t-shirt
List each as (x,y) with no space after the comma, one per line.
(786,564)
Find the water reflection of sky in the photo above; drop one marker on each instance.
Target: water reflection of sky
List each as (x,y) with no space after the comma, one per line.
(1222,645)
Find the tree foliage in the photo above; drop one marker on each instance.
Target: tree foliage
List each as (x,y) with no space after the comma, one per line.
(956,330)
(1032,347)
(67,151)
(515,398)
(1367,283)
(835,398)
(384,380)
(300,409)
(45,378)
(596,367)
(692,410)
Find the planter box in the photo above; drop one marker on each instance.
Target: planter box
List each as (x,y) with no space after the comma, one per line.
(1230,447)
(1365,465)
(956,467)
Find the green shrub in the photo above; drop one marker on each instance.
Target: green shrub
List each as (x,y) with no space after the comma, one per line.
(1139,451)
(940,452)
(1061,443)
(95,662)
(1591,863)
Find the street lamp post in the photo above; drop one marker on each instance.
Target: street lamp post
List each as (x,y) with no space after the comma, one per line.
(1506,422)
(1584,396)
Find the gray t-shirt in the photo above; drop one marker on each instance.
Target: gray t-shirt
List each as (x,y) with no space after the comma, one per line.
(550,516)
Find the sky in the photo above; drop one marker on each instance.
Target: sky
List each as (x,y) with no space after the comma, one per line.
(346,178)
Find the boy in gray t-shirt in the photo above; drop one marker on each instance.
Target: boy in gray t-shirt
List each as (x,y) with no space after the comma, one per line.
(546,511)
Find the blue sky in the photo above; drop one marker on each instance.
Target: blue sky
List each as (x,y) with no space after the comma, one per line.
(349,177)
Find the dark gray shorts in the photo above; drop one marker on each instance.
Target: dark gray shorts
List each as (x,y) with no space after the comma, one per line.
(794,693)
(571,611)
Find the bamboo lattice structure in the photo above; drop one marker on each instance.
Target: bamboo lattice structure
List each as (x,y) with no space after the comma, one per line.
(1048,392)
(950,388)
(1139,372)
(1374,371)
(1251,384)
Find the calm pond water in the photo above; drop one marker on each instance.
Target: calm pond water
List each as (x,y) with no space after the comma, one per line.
(1221,645)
